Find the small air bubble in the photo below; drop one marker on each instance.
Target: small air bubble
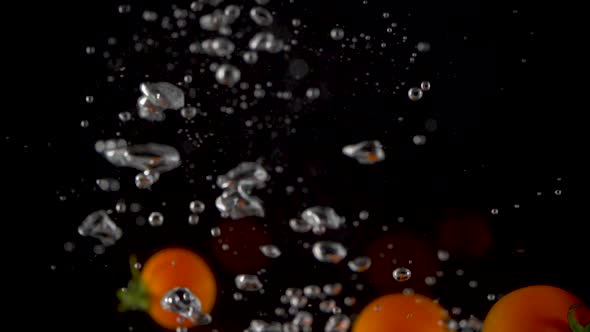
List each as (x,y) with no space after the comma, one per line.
(156,219)
(430,281)
(69,246)
(423,47)
(415,94)
(99,249)
(364,215)
(337,34)
(419,139)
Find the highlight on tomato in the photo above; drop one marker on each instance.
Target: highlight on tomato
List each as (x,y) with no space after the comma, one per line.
(402,312)
(538,308)
(163,272)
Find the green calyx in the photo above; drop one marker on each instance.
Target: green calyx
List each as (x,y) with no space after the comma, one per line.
(574,324)
(135,296)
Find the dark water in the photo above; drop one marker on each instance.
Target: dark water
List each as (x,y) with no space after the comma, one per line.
(502,137)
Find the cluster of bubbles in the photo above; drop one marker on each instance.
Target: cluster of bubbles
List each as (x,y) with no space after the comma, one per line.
(317,219)
(220,21)
(158,97)
(416,93)
(301,320)
(196,207)
(151,159)
(236,201)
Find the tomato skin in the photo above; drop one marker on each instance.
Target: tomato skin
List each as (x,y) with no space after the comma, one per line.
(538,308)
(176,267)
(400,312)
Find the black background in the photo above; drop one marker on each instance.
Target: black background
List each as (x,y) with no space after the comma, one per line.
(504,135)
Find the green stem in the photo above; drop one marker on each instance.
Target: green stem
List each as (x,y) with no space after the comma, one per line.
(135,296)
(574,324)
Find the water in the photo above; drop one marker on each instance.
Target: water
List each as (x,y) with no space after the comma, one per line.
(183,302)
(337,323)
(267,85)
(402,274)
(360,264)
(247,282)
(365,152)
(99,225)
(270,251)
(329,252)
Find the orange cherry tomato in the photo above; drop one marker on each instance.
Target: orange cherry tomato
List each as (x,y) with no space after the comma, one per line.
(534,309)
(400,312)
(176,267)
